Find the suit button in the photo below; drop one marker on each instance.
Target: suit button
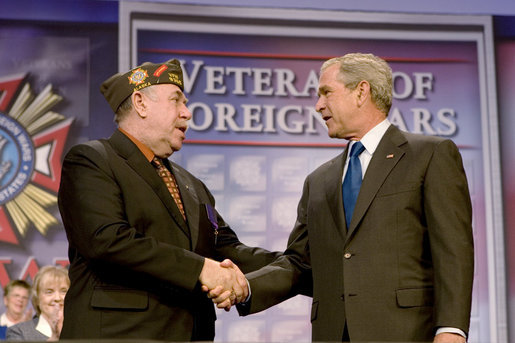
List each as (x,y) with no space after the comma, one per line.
(342,297)
(347,255)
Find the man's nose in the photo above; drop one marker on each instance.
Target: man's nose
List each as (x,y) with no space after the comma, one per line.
(320,105)
(185,113)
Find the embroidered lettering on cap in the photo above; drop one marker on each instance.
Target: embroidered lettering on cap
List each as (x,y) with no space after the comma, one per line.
(175,78)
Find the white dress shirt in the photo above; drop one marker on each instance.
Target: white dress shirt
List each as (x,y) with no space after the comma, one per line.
(4,321)
(370,141)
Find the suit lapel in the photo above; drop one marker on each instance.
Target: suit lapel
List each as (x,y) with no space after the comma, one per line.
(386,156)
(190,201)
(333,191)
(137,161)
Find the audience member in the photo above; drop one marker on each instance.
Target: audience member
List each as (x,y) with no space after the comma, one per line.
(48,291)
(16,299)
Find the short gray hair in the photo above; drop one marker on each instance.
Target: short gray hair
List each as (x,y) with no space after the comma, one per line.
(126,106)
(356,67)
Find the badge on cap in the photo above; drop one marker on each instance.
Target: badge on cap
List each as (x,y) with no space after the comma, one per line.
(160,70)
(138,76)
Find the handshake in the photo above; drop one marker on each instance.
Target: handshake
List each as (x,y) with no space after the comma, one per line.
(224,283)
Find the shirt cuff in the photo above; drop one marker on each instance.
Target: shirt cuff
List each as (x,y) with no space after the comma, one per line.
(250,293)
(445,329)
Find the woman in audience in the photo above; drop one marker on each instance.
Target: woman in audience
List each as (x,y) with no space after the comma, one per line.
(48,291)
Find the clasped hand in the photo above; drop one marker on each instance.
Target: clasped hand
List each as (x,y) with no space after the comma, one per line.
(224,283)
(55,319)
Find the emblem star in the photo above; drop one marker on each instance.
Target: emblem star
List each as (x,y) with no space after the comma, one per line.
(42,155)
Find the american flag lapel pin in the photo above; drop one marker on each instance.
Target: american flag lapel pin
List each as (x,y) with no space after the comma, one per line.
(389,156)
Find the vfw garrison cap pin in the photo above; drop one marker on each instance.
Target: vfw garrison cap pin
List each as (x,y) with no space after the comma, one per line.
(138,76)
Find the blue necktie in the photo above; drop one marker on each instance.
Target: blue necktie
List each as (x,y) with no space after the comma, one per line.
(352,181)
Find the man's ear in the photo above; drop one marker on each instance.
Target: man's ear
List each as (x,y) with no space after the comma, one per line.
(139,103)
(363,92)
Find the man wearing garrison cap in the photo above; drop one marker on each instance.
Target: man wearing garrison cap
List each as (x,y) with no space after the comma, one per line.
(143,232)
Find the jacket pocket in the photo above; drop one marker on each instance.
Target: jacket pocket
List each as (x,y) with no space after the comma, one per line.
(396,189)
(121,299)
(415,297)
(314,311)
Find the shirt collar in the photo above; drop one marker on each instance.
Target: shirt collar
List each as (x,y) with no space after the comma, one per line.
(43,326)
(142,147)
(372,138)
(4,321)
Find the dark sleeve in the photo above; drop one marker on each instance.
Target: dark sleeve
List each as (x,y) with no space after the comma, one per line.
(289,274)
(448,210)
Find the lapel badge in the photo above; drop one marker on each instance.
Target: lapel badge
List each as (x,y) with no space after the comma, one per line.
(389,156)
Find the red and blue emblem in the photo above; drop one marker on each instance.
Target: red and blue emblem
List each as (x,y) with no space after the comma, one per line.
(32,139)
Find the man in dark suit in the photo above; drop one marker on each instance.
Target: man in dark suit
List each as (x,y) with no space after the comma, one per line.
(140,248)
(399,266)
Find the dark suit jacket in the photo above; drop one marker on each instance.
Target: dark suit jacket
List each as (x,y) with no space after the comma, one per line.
(403,268)
(25,331)
(135,262)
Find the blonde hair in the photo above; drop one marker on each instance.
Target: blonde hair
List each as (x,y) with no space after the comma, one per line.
(356,67)
(58,272)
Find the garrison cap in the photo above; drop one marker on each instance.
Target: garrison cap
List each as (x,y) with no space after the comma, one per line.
(120,86)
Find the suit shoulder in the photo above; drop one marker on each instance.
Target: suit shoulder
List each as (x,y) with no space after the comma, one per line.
(25,325)
(96,152)
(418,137)
(20,329)
(335,162)
(426,141)
(97,145)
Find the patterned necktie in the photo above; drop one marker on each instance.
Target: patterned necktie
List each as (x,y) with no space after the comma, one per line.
(352,181)
(170,182)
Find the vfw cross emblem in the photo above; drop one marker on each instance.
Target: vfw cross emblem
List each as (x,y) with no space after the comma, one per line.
(32,139)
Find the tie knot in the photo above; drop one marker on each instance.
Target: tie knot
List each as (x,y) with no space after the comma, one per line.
(156,161)
(357,148)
